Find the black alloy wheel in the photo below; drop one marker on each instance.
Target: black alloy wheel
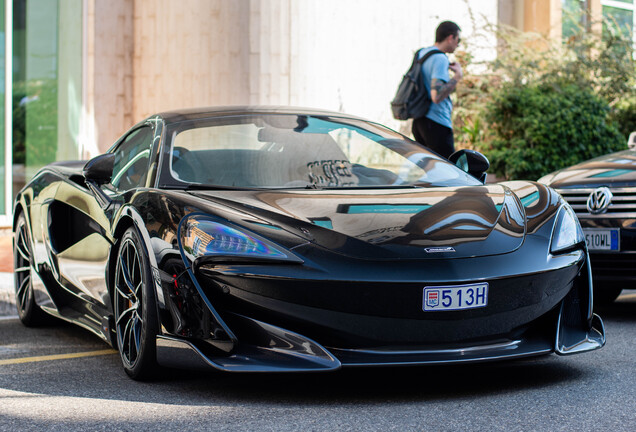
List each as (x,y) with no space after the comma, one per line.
(135,309)
(28,311)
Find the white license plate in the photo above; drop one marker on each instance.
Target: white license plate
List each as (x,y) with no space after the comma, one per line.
(602,238)
(447,298)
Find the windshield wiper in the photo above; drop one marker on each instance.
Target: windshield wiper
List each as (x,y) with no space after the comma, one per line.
(203,187)
(199,186)
(404,186)
(363,187)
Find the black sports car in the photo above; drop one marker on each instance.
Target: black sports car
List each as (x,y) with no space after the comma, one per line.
(602,192)
(271,239)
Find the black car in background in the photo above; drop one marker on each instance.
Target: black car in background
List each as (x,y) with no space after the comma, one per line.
(602,192)
(255,239)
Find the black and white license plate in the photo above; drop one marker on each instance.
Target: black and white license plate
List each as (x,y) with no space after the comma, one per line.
(602,238)
(458,297)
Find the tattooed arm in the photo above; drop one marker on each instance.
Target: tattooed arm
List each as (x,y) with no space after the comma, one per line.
(440,90)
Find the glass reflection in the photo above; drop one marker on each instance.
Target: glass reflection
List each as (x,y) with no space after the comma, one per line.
(289,151)
(47,84)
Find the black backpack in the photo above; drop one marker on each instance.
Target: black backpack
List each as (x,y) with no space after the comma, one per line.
(411,99)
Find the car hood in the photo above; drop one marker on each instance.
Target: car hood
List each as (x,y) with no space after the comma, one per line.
(615,169)
(449,222)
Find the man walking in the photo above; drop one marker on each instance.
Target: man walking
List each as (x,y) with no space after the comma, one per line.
(435,129)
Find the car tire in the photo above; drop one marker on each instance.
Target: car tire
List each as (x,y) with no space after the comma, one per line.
(135,308)
(29,312)
(605,295)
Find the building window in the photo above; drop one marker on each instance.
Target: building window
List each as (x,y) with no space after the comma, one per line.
(47,84)
(5,164)
(619,17)
(575,17)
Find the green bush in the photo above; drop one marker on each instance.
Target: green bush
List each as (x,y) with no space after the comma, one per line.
(540,105)
(539,128)
(19,149)
(624,115)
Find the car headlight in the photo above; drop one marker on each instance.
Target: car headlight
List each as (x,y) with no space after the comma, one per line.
(567,231)
(202,237)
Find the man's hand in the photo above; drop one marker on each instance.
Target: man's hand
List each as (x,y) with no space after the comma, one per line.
(457,69)
(440,90)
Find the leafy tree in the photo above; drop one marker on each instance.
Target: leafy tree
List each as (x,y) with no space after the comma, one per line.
(541,105)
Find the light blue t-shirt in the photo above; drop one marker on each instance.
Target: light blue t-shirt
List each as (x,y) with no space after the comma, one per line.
(436,66)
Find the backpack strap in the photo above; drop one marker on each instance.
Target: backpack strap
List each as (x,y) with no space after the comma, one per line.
(427,55)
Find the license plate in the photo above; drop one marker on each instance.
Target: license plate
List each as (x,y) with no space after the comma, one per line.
(458,297)
(602,238)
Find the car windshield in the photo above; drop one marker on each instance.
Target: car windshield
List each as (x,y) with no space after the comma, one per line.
(302,151)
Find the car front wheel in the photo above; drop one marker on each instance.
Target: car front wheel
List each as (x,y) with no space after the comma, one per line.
(135,308)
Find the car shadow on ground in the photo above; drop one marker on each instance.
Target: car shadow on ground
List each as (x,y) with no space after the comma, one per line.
(348,386)
(622,310)
(370,385)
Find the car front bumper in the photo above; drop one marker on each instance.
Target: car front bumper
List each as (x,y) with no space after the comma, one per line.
(277,327)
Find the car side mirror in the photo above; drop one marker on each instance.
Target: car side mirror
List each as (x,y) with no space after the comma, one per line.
(472,162)
(99,170)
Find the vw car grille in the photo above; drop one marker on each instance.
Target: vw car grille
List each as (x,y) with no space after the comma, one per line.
(623,202)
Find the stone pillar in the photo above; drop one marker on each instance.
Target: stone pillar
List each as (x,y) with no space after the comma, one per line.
(595,11)
(543,16)
(109,71)
(270,51)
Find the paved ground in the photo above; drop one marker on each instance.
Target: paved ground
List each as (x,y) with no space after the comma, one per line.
(587,392)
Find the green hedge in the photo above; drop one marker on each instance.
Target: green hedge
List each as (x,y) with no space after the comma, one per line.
(539,128)
(624,115)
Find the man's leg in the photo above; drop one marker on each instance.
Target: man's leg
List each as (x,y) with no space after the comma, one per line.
(418,129)
(434,136)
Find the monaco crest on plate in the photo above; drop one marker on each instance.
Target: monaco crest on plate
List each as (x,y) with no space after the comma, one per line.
(432,298)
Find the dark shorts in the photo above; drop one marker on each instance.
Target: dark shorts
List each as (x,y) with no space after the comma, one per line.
(434,136)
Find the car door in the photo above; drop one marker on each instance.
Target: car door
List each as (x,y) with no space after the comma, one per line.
(80,228)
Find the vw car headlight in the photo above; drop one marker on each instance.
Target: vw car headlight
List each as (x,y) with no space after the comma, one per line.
(567,231)
(202,237)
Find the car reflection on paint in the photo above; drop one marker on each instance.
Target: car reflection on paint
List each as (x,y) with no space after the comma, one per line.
(602,192)
(255,239)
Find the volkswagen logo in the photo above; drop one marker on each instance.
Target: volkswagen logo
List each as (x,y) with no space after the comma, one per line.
(599,200)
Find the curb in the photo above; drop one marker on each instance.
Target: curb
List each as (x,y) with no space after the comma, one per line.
(7,295)
(6,253)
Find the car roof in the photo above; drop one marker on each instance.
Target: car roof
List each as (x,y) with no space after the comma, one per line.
(208,112)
